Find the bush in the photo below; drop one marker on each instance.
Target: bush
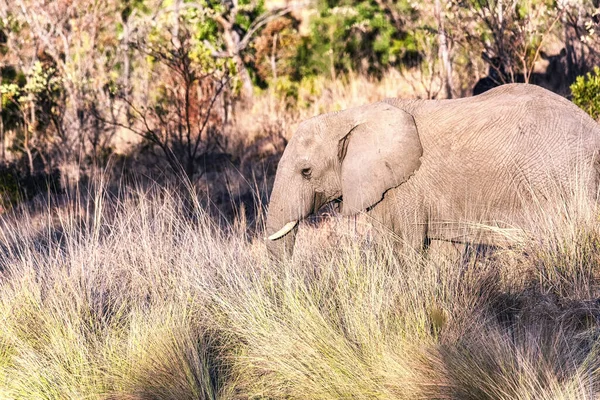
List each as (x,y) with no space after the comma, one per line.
(358,36)
(586,93)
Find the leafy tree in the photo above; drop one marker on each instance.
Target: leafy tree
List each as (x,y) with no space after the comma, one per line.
(33,104)
(173,106)
(365,36)
(76,40)
(237,23)
(586,93)
(275,50)
(110,77)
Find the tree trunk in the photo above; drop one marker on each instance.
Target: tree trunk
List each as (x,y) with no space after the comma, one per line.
(247,88)
(28,134)
(232,42)
(444,52)
(273,54)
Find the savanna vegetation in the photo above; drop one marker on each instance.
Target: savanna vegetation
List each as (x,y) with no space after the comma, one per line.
(138,143)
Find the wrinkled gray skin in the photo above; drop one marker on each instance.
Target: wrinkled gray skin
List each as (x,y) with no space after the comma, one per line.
(418,167)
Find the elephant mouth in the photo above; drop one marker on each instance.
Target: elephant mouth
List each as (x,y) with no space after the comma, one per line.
(287,228)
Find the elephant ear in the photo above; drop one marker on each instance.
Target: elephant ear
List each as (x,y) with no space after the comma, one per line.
(381,152)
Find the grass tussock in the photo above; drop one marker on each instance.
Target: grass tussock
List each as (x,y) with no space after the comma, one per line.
(145,297)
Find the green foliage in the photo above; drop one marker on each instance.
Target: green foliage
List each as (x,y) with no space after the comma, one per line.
(41,81)
(286,90)
(249,11)
(586,93)
(358,36)
(10,88)
(32,101)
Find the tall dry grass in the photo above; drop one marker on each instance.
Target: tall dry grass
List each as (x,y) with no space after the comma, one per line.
(143,296)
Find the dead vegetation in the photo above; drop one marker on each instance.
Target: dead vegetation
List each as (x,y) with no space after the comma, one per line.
(142,297)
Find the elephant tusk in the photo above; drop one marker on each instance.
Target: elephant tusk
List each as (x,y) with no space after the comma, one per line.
(284,231)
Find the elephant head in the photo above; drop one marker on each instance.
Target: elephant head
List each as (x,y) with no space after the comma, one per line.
(354,155)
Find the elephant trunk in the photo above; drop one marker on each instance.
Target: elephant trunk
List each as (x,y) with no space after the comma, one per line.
(291,201)
(280,243)
(283,246)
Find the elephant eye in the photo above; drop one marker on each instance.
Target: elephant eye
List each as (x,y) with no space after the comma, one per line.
(306,172)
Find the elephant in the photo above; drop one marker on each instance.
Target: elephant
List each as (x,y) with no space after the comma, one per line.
(420,167)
